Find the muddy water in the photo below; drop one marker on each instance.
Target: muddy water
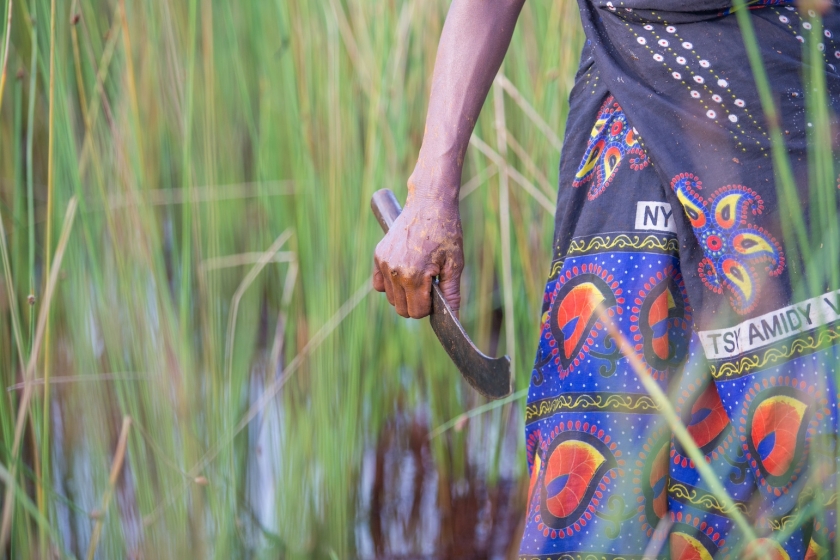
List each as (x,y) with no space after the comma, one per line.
(408,509)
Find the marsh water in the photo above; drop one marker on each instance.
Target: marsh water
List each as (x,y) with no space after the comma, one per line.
(406,505)
(408,509)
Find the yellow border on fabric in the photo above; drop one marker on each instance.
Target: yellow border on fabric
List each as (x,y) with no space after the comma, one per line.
(777,354)
(708,502)
(622,241)
(615,403)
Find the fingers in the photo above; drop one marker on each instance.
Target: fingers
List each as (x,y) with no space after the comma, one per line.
(400,302)
(418,293)
(395,289)
(410,294)
(383,275)
(378,280)
(450,283)
(391,284)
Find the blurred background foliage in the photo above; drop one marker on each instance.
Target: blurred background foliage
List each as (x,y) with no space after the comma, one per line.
(209,374)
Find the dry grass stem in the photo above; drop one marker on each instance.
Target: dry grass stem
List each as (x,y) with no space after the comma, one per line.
(23,407)
(479,179)
(504,217)
(116,468)
(526,185)
(231,261)
(90,378)
(8,35)
(529,111)
(211,193)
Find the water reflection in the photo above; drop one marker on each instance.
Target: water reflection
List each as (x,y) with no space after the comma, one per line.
(408,508)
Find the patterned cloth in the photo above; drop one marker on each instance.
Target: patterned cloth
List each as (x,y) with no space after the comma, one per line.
(668,225)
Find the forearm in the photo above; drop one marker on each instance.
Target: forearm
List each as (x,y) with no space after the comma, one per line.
(426,241)
(472,46)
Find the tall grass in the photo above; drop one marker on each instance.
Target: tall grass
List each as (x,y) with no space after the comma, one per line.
(213,288)
(193,362)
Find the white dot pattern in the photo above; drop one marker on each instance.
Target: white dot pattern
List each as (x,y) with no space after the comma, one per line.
(692,67)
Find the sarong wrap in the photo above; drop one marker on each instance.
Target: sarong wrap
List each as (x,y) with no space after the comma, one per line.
(669,225)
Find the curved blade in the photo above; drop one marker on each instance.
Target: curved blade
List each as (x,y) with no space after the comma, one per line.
(489,376)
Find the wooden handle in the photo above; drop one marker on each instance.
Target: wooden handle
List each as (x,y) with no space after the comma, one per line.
(385,207)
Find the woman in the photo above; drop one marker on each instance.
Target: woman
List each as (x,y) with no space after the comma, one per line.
(668,227)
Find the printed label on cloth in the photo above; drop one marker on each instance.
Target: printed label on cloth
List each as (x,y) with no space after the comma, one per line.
(771,327)
(654,215)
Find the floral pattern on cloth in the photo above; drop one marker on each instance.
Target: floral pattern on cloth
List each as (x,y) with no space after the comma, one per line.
(611,142)
(733,247)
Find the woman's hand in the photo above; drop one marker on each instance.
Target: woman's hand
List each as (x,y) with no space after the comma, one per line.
(425,241)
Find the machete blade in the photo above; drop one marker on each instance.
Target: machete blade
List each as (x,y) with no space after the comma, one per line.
(489,376)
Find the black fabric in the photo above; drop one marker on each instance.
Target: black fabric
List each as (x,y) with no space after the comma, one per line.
(674,128)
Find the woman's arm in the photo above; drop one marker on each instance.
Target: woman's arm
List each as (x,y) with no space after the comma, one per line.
(426,240)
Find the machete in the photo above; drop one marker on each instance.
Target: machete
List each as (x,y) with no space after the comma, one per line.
(489,376)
